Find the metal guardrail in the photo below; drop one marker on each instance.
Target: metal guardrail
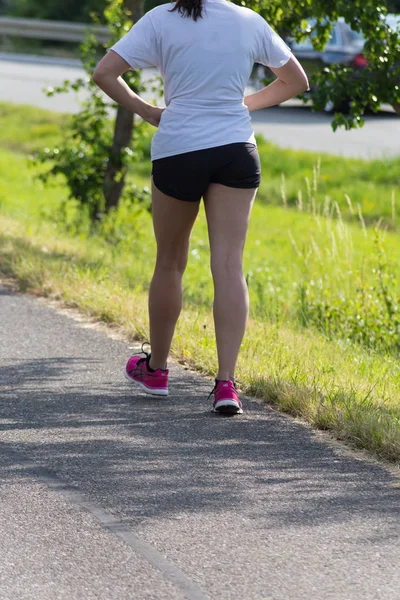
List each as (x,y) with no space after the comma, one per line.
(62,31)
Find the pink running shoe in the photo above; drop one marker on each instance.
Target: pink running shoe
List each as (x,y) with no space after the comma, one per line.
(226,399)
(151,381)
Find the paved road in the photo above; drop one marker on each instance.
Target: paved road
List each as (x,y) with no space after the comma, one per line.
(290,126)
(106,493)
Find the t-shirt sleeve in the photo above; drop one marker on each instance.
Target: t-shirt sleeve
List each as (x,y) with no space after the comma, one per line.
(272,50)
(139,47)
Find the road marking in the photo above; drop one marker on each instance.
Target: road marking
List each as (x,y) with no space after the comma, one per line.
(115,526)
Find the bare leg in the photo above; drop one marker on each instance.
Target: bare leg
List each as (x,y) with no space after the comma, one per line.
(228,212)
(173,221)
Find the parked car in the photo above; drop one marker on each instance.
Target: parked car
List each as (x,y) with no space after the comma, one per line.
(344,47)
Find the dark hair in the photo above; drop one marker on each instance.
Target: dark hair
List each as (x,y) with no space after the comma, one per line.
(189,8)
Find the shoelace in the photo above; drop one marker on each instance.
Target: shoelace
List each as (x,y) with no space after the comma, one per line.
(136,371)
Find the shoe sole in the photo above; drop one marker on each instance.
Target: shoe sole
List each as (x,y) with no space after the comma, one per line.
(150,391)
(228,407)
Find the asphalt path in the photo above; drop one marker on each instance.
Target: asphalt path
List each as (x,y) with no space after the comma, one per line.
(107,493)
(22,80)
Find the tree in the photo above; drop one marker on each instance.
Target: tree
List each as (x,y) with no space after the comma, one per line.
(94,154)
(378,83)
(125,121)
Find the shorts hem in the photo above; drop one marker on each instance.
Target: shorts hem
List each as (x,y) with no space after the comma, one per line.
(238,187)
(168,192)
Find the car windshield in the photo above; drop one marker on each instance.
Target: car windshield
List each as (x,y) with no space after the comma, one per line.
(356,35)
(393,21)
(334,39)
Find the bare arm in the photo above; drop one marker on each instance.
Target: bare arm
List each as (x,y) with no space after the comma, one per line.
(291,81)
(107,76)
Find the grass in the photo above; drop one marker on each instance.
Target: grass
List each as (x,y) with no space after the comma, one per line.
(334,384)
(275,264)
(374,185)
(370,184)
(26,129)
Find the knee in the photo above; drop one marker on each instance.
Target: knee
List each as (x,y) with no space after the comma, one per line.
(226,267)
(173,265)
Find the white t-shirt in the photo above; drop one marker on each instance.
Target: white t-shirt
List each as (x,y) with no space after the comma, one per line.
(205,66)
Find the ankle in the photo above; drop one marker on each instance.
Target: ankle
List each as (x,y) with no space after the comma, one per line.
(155,365)
(224,376)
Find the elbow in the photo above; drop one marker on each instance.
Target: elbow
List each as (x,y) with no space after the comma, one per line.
(299,86)
(101,73)
(97,76)
(305,85)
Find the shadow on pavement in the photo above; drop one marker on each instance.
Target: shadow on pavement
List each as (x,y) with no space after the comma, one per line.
(145,457)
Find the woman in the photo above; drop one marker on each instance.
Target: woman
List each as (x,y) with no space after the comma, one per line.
(204,148)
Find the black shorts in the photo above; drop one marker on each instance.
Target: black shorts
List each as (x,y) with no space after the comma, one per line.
(187,176)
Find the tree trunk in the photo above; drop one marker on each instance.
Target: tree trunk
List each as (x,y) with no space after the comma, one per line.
(114,178)
(396,107)
(136,8)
